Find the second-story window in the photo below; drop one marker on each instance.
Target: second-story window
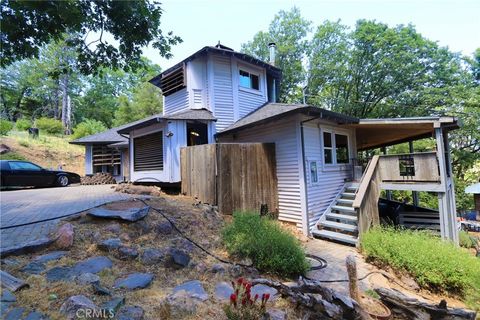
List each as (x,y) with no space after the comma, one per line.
(249,80)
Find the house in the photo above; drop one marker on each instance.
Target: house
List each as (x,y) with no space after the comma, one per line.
(219,95)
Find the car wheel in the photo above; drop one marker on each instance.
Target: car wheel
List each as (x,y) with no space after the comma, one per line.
(62,181)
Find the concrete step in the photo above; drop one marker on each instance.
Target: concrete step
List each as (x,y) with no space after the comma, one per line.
(344,217)
(343,209)
(339,225)
(341,237)
(345,202)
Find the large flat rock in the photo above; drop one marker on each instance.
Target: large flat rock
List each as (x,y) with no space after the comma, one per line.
(134,281)
(194,289)
(131,215)
(26,247)
(91,265)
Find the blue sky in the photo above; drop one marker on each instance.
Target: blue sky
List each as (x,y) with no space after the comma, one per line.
(455,24)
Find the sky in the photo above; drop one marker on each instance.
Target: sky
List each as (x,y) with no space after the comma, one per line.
(199,23)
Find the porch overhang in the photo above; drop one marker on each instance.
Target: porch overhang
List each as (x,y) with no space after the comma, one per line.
(377,133)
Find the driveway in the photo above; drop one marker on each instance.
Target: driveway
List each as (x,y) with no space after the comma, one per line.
(31,205)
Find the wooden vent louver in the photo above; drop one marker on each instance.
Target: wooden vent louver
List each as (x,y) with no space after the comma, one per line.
(173,81)
(148,152)
(105,156)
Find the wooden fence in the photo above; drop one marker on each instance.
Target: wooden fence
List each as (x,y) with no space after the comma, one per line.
(236,176)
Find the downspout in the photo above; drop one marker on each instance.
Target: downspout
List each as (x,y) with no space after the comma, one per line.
(305,187)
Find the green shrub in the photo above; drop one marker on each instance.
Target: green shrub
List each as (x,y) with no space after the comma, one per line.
(5,127)
(23,124)
(24,143)
(49,125)
(12,156)
(435,264)
(87,128)
(466,240)
(270,248)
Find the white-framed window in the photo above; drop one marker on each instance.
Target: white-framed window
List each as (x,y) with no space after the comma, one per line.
(248,79)
(313,172)
(336,147)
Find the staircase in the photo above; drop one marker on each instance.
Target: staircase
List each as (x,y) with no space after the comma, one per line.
(339,222)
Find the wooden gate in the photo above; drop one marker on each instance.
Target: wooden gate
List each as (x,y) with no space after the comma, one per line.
(234,176)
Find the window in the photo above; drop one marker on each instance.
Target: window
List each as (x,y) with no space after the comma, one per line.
(14,165)
(148,152)
(341,148)
(249,80)
(313,172)
(406,166)
(335,148)
(327,148)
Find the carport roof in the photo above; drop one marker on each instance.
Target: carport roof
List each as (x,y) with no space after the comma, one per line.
(105,137)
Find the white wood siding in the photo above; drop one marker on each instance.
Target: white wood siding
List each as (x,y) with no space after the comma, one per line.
(330,179)
(284,134)
(176,102)
(88,159)
(222,91)
(248,102)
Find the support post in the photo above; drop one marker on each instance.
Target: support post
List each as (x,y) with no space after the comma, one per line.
(387,192)
(414,193)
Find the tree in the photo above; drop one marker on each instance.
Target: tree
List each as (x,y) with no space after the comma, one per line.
(29,25)
(147,100)
(288,30)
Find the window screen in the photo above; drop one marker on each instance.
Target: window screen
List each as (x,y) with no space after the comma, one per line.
(148,152)
(327,148)
(341,146)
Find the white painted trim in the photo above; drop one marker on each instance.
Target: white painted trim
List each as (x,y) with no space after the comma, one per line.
(210,80)
(302,184)
(335,166)
(252,70)
(235,84)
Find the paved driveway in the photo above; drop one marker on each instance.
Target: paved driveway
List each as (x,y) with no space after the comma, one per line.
(30,205)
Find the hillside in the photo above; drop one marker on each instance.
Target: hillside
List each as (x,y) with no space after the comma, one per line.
(46,151)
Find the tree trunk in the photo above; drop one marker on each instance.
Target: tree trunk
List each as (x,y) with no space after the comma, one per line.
(66,108)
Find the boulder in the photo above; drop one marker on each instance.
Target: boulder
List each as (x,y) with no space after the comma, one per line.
(194,289)
(109,244)
(164,228)
(134,281)
(130,313)
(59,274)
(152,256)
(92,265)
(14,314)
(26,247)
(87,278)
(70,307)
(223,290)
(64,238)
(176,258)
(180,304)
(131,215)
(127,253)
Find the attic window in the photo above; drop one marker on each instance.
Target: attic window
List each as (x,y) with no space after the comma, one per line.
(249,80)
(173,81)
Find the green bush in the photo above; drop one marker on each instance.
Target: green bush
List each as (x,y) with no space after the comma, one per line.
(435,264)
(23,124)
(270,248)
(87,128)
(12,156)
(49,125)
(5,127)
(466,240)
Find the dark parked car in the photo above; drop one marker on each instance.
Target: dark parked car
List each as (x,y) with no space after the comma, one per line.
(15,173)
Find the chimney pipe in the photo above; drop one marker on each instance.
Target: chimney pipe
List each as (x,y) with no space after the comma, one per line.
(272,49)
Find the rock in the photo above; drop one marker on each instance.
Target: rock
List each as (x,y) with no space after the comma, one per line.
(26,247)
(142,227)
(101,291)
(14,314)
(132,214)
(276,314)
(87,278)
(113,228)
(223,290)
(410,283)
(113,305)
(7,296)
(261,289)
(54,255)
(176,259)
(236,271)
(109,244)
(130,313)
(35,315)
(92,265)
(218,268)
(152,256)
(246,262)
(4,148)
(64,238)
(34,268)
(75,303)
(164,228)
(134,281)
(52,297)
(180,304)
(126,253)
(59,274)
(194,289)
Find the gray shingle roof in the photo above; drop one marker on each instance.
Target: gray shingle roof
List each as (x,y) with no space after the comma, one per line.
(108,136)
(271,111)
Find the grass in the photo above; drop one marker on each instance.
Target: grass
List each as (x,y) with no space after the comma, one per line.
(12,156)
(270,248)
(46,141)
(435,264)
(466,240)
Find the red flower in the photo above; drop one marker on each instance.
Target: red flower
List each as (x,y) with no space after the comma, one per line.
(256,297)
(267,296)
(240,281)
(233,299)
